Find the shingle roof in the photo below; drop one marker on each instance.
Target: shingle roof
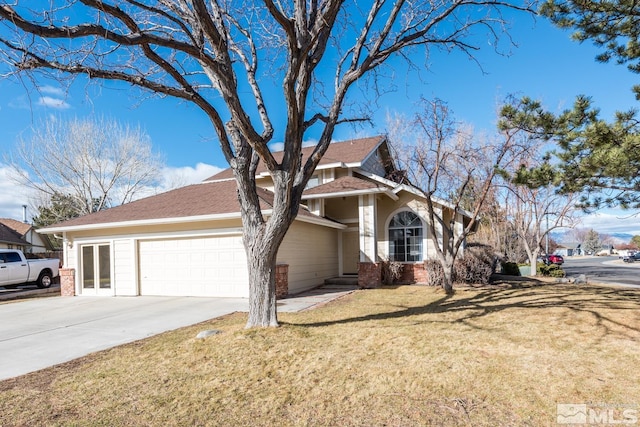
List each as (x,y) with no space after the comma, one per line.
(192,200)
(9,235)
(209,198)
(344,185)
(20,227)
(352,151)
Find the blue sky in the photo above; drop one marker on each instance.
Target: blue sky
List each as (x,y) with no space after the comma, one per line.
(546,65)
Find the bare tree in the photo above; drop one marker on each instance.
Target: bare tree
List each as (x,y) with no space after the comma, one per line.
(94,163)
(447,162)
(216,55)
(536,212)
(496,230)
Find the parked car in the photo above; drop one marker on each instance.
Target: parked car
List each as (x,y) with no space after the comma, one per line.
(15,269)
(551,259)
(633,257)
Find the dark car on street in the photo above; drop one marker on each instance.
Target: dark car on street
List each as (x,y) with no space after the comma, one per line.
(632,257)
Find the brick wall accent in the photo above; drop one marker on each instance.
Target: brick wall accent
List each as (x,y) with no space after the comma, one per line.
(67,282)
(414,273)
(369,275)
(282,280)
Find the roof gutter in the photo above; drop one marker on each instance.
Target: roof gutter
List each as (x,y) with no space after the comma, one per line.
(351,193)
(180,220)
(141,222)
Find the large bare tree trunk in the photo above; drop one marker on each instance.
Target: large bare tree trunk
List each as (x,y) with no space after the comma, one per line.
(447,282)
(262,239)
(261,261)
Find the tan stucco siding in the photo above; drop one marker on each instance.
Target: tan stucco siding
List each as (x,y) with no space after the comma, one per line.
(342,209)
(340,172)
(311,251)
(388,207)
(124,266)
(459,229)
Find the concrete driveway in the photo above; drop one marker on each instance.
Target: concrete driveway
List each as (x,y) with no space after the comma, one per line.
(38,333)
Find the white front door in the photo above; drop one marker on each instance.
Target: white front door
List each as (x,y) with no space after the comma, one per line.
(95,274)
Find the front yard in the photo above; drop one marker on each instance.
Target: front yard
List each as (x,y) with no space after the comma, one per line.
(499,355)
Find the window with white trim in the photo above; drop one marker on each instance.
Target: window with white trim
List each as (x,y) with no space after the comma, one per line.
(405,237)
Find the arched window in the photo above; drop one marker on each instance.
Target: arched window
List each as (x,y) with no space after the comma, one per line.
(405,237)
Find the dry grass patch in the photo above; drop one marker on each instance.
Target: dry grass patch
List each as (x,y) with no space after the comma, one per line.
(403,356)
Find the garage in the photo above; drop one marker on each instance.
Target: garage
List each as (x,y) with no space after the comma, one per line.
(197,266)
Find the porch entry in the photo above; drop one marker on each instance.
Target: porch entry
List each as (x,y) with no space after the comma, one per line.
(95,275)
(350,252)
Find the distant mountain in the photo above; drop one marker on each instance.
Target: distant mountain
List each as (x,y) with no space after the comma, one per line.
(559,236)
(625,237)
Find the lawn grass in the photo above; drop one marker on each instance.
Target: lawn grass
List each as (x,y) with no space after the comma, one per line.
(403,356)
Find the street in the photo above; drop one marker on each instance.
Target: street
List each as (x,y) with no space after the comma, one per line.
(609,269)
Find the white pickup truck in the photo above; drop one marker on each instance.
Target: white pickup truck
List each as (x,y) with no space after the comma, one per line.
(15,269)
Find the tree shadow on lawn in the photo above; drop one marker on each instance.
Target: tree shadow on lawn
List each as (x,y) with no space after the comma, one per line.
(477,302)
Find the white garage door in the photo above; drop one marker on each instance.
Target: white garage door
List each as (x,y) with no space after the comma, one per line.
(204,266)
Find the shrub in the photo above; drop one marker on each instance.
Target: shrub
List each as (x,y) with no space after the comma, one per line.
(551,270)
(510,268)
(484,253)
(391,271)
(471,269)
(468,269)
(434,272)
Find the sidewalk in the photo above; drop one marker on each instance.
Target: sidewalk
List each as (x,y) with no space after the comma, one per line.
(314,298)
(27,291)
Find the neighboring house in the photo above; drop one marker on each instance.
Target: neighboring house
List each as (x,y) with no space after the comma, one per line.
(188,241)
(36,242)
(570,249)
(10,239)
(565,252)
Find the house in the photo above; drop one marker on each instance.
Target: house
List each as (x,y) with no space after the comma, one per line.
(188,241)
(35,242)
(11,239)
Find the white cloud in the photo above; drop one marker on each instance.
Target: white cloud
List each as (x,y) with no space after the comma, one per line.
(12,196)
(50,102)
(610,221)
(51,90)
(173,177)
(276,146)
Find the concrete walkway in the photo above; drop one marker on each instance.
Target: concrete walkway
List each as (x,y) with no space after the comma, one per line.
(42,332)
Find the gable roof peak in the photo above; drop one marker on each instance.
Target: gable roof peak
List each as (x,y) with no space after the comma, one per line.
(351,152)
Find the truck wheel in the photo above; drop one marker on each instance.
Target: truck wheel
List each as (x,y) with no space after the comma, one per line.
(44,280)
